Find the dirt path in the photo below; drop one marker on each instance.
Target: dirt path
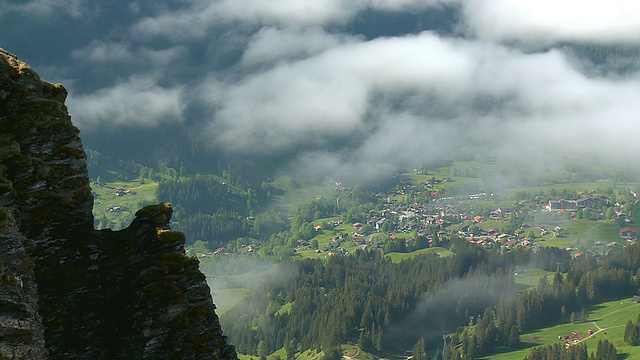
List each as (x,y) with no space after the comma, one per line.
(352,357)
(590,336)
(603,329)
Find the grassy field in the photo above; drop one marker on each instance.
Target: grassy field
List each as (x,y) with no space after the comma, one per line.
(295,197)
(610,316)
(226,299)
(599,187)
(398,257)
(119,210)
(529,278)
(581,233)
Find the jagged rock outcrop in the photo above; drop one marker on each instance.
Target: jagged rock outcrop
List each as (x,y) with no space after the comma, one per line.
(68,291)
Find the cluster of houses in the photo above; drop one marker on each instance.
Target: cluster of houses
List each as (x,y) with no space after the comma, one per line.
(120,191)
(453,215)
(442,213)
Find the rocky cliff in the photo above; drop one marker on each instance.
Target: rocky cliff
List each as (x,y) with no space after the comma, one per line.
(68,291)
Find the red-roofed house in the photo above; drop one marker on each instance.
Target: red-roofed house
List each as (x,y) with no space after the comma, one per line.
(628,233)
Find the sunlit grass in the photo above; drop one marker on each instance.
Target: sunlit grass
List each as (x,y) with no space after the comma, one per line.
(398,257)
(226,299)
(107,199)
(612,316)
(530,277)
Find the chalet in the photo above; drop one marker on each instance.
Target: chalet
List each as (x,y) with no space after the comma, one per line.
(380,222)
(591,202)
(628,233)
(510,243)
(503,237)
(567,205)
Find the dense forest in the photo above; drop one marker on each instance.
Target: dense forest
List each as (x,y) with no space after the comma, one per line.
(391,307)
(210,209)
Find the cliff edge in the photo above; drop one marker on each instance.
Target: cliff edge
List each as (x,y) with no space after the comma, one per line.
(68,291)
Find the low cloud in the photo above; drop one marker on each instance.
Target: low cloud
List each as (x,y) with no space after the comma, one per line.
(300,80)
(101,52)
(437,310)
(329,94)
(363,108)
(546,22)
(272,45)
(119,53)
(42,8)
(136,102)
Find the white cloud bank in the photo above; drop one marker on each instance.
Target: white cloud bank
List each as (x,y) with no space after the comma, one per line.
(300,84)
(397,101)
(546,22)
(138,101)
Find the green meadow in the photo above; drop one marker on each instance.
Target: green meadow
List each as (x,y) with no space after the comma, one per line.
(398,257)
(226,299)
(115,211)
(610,316)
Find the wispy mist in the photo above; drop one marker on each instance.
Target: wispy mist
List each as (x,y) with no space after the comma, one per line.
(246,273)
(437,311)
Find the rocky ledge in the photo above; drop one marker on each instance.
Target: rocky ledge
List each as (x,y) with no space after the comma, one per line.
(68,291)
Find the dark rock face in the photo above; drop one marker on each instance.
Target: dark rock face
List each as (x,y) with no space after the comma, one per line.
(68,291)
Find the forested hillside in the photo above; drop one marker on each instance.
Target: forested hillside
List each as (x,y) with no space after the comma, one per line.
(387,307)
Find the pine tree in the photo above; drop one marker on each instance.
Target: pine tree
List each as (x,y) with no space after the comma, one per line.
(563,314)
(514,337)
(628,331)
(420,351)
